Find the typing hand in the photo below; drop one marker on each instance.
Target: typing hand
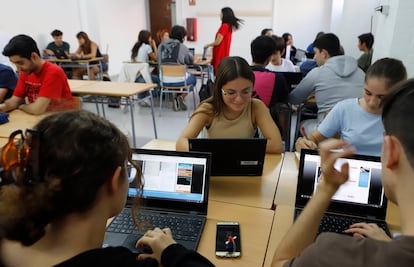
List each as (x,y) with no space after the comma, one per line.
(332,177)
(305,143)
(158,240)
(370,230)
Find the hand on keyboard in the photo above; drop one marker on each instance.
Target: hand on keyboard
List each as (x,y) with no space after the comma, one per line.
(157,240)
(370,230)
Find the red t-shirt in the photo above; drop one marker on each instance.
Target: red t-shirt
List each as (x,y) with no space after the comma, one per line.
(51,82)
(223,49)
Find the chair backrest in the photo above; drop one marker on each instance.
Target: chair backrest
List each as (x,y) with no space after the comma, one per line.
(292,78)
(173,70)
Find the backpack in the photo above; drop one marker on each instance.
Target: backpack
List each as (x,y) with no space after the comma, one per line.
(206,90)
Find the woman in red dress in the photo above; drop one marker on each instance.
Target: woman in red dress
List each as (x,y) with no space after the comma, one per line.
(221,45)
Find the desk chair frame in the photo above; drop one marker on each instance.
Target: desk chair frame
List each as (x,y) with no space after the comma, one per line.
(178,71)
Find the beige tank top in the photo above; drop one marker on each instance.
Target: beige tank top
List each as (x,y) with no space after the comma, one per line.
(241,127)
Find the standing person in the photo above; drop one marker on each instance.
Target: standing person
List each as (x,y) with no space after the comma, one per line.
(358,120)
(58,46)
(173,51)
(8,81)
(231,111)
(369,245)
(365,43)
(87,49)
(42,86)
(222,43)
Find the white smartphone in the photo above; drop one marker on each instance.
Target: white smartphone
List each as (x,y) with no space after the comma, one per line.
(228,241)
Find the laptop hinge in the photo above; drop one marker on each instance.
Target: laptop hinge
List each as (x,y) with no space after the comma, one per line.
(371,218)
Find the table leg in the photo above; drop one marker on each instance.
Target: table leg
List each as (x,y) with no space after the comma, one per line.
(131,109)
(153,114)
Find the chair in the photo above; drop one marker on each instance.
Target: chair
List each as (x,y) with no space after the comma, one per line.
(282,116)
(178,72)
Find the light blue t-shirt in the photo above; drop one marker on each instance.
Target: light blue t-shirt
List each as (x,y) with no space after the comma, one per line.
(361,129)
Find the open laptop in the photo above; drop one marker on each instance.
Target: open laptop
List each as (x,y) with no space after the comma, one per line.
(233,156)
(175,195)
(60,54)
(360,199)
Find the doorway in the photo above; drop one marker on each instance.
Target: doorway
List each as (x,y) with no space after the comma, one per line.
(160,16)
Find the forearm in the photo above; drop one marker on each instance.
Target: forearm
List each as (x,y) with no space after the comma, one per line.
(182,144)
(32,109)
(303,231)
(7,106)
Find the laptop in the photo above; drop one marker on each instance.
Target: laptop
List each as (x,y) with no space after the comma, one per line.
(233,156)
(175,195)
(204,56)
(60,54)
(360,199)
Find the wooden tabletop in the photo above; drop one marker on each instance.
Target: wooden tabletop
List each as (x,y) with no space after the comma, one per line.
(3,141)
(19,119)
(74,60)
(109,88)
(255,226)
(253,191)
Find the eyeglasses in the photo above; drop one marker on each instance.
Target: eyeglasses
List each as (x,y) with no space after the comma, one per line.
(19,158)
(233,94)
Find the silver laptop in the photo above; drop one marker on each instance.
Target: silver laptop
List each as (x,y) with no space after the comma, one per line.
(233,156)
(360,199)
(175,195)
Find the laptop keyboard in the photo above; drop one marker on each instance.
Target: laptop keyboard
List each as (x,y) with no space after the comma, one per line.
(185,228)
(338,224)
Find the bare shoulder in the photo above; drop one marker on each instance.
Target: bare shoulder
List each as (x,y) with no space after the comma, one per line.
(204,112)
(258,105)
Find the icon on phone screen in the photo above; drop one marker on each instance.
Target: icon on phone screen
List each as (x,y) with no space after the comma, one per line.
(228,240)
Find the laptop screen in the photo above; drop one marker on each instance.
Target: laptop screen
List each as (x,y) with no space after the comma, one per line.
(171,175)
(362,193)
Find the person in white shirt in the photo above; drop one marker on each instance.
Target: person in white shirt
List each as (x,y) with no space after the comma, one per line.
(145,48)
(278,63)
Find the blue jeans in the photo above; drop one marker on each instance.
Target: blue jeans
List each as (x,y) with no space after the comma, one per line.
(155,79)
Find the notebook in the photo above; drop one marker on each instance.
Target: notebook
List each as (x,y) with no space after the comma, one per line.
(360,199)
(233,156)
(175,193)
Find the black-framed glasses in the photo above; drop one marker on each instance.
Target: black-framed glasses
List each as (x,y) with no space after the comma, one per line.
(19,158)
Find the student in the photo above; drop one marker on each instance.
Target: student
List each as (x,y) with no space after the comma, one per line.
(42,86)
(290,52)
(336,78)
(365,43)
(222,43)
(145,48)
(173,51)
(8,81)
(270,87)
(162,36)
(58,45)
(267,32)
(278,63)
(87,49)
(231,111)
(358,120)
(57,215)
(370,246)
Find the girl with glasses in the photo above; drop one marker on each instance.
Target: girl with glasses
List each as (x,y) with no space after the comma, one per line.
(232,112)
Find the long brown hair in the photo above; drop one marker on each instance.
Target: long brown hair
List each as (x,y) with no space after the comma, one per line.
(86,47)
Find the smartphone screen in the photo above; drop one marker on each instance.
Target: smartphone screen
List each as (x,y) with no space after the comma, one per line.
(228,241)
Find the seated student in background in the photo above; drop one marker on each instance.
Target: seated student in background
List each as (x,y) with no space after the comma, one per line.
(358,121)
(278,63)
(42,86)
(144,49)
(58,45)
(57,216)
(267,32)
(8,81)
(173,51)
(365,43)
(336,78)
(269,86)
(290,51)
(162,36)
(87,49)
(369,246)
(309,49)
(231,111)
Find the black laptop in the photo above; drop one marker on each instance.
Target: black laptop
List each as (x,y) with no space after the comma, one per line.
(175,195)
(233,156)
(360,199)
(60,54)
